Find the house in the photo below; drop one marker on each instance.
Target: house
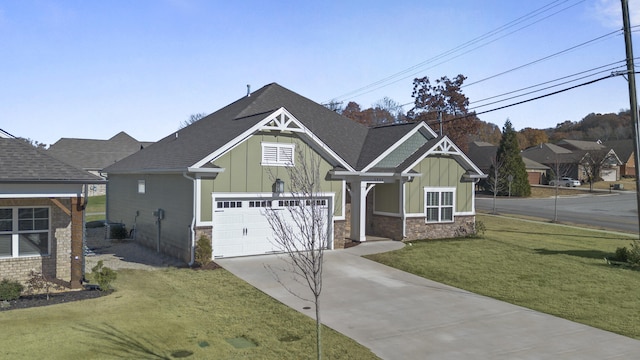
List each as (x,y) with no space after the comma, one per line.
(589,149)
(41,214)
(94,155)
(215,178)
(482,154)
(626,153)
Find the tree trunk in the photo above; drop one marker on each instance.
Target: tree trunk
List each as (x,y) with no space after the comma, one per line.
(318,329)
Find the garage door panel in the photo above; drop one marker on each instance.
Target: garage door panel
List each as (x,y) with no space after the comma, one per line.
(245,230)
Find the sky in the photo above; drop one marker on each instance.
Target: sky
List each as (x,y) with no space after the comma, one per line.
(90,69)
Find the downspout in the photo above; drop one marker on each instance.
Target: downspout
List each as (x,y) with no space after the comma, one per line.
(84,231)
(192,228)
(403,211)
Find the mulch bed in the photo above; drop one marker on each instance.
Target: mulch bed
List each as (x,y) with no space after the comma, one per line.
(208,266)
(29,301)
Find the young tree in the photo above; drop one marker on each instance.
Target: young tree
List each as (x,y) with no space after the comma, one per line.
(301,231)
(513,165)
(558,170)
(444,98)
(592,164)
(493,181)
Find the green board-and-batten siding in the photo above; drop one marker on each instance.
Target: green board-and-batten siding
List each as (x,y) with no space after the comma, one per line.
(244,172)
(438,171)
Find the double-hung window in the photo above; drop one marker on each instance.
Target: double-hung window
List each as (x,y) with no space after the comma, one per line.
(24,231)
(276,154)
(439,204)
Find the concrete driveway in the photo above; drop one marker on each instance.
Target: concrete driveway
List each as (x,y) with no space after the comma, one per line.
(402,316)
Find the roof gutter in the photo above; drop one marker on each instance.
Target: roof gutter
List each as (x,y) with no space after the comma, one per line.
(188,170)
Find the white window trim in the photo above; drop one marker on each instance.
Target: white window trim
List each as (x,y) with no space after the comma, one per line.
(15,232)
(279,147)
(440,190)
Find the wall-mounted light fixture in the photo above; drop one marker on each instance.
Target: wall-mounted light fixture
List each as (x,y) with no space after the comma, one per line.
(279,186)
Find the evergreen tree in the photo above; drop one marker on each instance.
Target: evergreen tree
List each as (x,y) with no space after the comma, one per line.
(512,164)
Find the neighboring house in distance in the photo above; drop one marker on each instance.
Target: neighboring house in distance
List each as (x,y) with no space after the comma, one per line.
(94,155)
(215,178)
(625,151)
(609,172)
(482,154)
(41,214)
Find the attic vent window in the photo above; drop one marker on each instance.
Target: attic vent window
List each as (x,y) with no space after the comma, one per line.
(274,154)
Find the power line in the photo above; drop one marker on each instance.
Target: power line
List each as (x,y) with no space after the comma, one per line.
(532,99)
(386,81)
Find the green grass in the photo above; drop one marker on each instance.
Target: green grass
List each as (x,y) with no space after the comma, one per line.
(554,269)
(154,314)
(96,208)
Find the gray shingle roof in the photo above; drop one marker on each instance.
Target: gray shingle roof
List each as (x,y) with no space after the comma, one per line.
(21,162)
(90,154)
(193,143)
(379,139)
(623,148)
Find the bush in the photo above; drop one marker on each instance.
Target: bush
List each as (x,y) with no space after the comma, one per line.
(10,290)
(203,250)
(117,231)
(633,255)
(103,276)
(38,283)
(622,254)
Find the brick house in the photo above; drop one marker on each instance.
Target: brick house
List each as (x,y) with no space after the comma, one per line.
(41,214)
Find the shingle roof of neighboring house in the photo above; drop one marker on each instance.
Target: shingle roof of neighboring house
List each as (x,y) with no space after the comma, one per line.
(482,153)
(21,162)
(549,153)
(533,165)
(580,145)
(623,148)
(90,154)
(353,142)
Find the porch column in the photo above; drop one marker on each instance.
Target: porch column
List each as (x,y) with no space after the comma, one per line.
(358,210)
(77,254)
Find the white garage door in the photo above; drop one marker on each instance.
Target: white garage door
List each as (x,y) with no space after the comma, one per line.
(240,227)
(609,174)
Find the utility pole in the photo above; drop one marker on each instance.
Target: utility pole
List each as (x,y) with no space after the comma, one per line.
(633,100)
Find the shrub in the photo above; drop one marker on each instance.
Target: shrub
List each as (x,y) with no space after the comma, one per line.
(480,228)
(203,250)
(103,276)
(622,254)
(10,290)
(38,283)
(117,231)
(633,254)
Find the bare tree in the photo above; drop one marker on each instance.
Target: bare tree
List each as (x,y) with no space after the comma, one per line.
(301,230)
(556,173)
(192,118)
(593,163)
(494,183)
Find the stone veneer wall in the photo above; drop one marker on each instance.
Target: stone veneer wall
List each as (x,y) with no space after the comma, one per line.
(391,227)
(56,265)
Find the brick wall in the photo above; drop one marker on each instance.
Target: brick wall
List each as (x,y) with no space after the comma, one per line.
(56,265)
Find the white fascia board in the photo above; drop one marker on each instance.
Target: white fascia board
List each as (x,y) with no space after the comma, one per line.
(262,125)
(456,152)
(193,170)
(421,125)
(40,190)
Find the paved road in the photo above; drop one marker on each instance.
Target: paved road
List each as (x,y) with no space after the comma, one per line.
(616,211)
(402,316)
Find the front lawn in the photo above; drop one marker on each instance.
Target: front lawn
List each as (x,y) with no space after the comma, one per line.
(169,314)
(96,208)
(554,269)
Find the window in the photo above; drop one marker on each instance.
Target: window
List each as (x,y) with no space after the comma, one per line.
(277,154)
(142,187)
(439,204)
(24,232)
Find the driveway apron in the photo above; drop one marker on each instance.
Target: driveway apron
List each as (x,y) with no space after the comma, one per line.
(402,316)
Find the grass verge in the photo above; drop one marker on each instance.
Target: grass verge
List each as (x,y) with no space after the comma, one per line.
(168,314)
(557,270)
(96,208)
